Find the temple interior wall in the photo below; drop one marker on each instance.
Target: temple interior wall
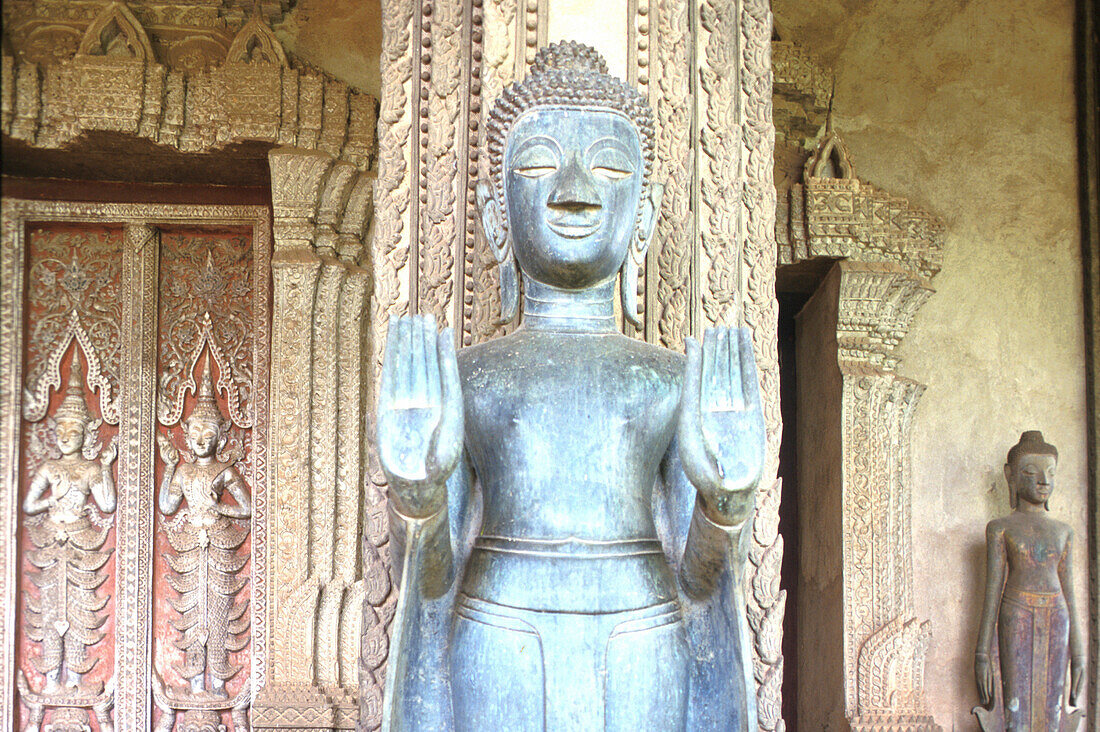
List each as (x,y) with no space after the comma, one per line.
(967,109)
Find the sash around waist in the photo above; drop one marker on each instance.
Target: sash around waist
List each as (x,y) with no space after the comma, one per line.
(569,575)
(570,547)
(1028,598)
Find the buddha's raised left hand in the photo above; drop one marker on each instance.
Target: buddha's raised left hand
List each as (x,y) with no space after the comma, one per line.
(721,429)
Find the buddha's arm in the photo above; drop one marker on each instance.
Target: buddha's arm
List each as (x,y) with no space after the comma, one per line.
(420,440)
(994,584)
(708,545)
(1076,637)
(721,447)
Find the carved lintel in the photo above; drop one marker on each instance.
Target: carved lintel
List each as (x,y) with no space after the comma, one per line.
(833,214)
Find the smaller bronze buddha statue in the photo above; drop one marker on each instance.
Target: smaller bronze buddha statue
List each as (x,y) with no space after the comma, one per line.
(1029,595)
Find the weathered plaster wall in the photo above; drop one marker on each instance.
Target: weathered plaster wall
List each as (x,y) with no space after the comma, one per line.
(342,37)
(967,109)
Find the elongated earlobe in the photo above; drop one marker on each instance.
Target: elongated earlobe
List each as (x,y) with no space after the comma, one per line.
(628,290)
(639,245)
(509,291)
(492,224)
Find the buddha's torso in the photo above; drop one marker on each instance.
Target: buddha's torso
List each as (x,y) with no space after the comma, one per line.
(566,433)
(1035,547)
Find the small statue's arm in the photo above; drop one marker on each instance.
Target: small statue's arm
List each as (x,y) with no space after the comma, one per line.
(994,585)
(103,489)
(721,444)
(171,490)
(420,434)
(230,480)
(36,501)
(1076,637)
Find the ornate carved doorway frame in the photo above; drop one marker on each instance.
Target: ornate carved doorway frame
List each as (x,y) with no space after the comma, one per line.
(196,97)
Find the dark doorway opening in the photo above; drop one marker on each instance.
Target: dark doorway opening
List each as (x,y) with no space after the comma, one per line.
(790,303)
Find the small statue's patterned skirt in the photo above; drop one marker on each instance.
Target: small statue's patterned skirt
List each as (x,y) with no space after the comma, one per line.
(1033,640)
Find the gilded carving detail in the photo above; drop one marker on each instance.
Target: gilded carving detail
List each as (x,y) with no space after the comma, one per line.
(210,316)
(208,557)
(68,503)
(196,78)
(85,624)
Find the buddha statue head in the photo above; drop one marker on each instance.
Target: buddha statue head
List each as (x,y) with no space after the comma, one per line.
(1029,470)
(569,198)
(73,423)
(205,428)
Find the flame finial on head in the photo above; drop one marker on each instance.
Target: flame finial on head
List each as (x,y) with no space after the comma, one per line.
(74,406)
(206,404)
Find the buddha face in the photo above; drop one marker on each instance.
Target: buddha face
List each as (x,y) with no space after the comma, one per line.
(203,435)
(573,182)
(70,435)
(1032,477)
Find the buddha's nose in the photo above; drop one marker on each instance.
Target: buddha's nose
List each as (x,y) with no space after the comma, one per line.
(574,192)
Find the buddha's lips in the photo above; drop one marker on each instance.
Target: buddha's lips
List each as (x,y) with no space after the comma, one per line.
(573,231)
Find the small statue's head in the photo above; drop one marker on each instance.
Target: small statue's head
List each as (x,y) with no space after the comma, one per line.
(570,154)
(204,429)
(73,421)
(1030,469)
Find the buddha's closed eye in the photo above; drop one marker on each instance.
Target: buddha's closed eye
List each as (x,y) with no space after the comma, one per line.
(611,164)
(535,161)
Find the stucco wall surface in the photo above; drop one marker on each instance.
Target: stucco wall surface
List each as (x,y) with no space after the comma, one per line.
(342,37)
(967,109)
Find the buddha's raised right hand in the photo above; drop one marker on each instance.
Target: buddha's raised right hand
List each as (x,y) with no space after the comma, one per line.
(420,418)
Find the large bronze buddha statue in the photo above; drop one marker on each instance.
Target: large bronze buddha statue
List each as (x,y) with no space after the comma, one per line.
(569,503)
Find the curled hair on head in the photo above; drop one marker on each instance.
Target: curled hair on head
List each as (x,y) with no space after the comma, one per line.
(566,74)
(1031,443)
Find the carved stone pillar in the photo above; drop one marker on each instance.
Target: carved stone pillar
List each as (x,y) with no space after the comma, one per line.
(862,647)
(311,582)
(705,67)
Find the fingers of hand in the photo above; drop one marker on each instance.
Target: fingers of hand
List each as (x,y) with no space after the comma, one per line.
(721,381)
(411,375)
(448,437)
(696,455)
(750,380)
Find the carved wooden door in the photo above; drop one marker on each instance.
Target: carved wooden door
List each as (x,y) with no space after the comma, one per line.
(133,422)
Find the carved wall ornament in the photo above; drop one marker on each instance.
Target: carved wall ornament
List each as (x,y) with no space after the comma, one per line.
(68,504)
(108,603)
(206,562)
(116,33)
(192,80)
(832,213)
(310,667)
(217,76)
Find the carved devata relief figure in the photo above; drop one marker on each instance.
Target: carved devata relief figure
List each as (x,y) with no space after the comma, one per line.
(65,679)
(203,493)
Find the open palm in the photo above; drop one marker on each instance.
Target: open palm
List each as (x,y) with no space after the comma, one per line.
(420,414)
(721,429)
